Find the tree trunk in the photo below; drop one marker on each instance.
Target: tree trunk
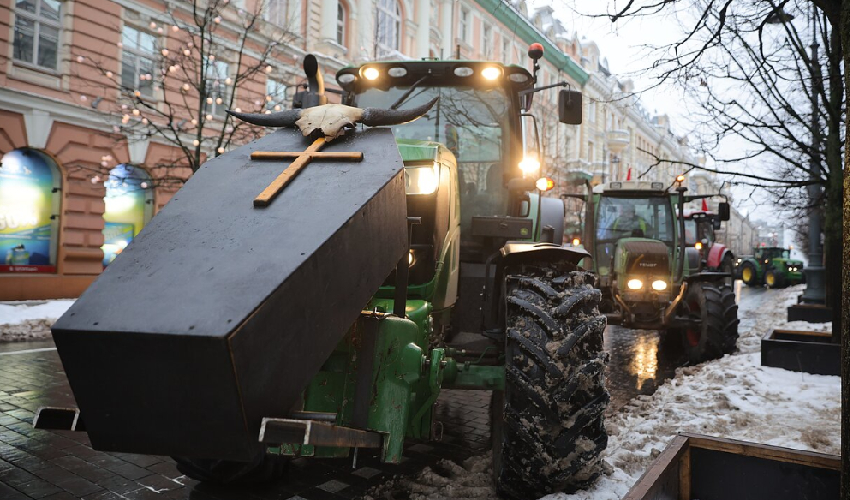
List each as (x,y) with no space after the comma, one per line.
(844,28)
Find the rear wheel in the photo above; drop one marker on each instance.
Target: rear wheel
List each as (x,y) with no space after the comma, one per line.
(749,275)
(264,469)
(548,429)
(713,309)
(774,279)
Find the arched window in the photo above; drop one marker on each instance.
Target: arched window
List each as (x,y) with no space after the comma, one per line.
(29,200)
(129,206)
(341,24)
(388,27)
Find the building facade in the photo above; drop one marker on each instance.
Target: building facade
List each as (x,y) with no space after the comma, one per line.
(82,173)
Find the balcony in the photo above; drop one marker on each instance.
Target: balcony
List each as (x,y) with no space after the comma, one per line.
(617,140)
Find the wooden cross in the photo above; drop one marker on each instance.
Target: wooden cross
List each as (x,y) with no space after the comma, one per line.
(302,158)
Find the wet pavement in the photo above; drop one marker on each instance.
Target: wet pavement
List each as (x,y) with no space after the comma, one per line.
(61,465)
(639,363)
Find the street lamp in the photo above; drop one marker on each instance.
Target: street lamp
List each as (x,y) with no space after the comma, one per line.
(815,292)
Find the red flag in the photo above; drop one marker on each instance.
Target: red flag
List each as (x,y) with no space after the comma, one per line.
(629,174)
(704,205)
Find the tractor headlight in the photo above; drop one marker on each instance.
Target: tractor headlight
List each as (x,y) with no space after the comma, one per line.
(411,258)
(634,284)
(659,285)
(529,166)
(698,245)
(491,73)
(576,242)
(371,73)
(422,179)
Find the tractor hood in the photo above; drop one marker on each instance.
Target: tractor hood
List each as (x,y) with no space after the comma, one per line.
(642,256)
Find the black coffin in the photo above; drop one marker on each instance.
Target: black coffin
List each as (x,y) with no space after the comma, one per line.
(218,313)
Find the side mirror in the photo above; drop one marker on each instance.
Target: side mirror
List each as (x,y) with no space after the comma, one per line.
(569,107)
(723,211)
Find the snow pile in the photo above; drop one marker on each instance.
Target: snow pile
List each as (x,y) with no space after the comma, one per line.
(30,321)
(733,397)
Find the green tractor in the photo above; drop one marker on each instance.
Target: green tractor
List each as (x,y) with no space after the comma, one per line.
(484,259)
(325,360)
(649,277)
(771,266)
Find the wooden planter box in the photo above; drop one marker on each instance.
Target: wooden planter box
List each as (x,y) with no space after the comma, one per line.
(813,313)
(706,468)
(811,352)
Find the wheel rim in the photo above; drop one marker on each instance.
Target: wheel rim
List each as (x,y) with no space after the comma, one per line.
(769,279)
(747,274)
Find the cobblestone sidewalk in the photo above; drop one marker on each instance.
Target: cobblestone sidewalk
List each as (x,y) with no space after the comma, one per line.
(61,465)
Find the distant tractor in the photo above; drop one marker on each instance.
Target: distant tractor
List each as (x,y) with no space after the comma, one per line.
(771,266)
(711,254)
(634,231)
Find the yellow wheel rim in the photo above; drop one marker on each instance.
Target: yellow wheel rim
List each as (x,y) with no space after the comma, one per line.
(747,274)
(769,279)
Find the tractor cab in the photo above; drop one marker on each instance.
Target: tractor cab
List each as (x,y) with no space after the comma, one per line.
(649,277)
(699,229)
(630,215)
(482,124)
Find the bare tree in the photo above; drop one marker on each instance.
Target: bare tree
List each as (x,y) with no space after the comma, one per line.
(178,77)
(707,32)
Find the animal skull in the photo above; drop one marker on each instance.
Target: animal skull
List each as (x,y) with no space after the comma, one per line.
(333,120)
(329,121)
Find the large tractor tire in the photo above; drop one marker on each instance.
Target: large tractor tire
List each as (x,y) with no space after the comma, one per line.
(713,307)
(548,429)
(264,469)
(749,275)
(774,279)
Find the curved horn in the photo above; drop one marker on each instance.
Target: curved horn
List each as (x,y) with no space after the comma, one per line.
(374,117)
(280,119)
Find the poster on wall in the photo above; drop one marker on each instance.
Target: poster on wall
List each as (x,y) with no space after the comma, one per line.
(124,214)
(116,237)
(26,230)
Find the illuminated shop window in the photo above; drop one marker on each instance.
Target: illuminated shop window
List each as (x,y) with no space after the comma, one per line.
(29,197)
(129,206)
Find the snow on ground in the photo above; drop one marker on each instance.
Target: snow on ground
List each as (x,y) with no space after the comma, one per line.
(25,321)
(733,397)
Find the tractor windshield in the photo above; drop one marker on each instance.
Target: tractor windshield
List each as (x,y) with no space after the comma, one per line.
(628,217)
(471,123)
